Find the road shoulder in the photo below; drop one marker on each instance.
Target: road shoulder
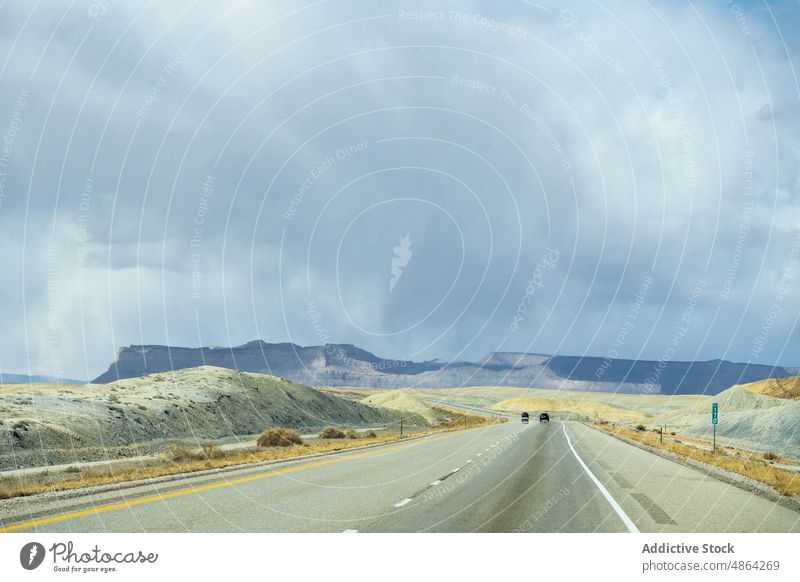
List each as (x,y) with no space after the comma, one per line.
(729,477)
(663,495)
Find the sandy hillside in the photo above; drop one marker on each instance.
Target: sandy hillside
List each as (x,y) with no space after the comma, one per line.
(402,401)
(580,407)
(788,388)
(9,388)
(620,404)
(748,417)
(751,415)
(762,416)
(197,403)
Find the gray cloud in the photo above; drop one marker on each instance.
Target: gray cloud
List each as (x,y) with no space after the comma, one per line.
(208,174)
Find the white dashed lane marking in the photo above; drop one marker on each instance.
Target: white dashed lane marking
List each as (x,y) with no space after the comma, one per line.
(408,500)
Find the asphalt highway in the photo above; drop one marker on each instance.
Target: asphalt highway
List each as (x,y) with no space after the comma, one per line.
(512,477)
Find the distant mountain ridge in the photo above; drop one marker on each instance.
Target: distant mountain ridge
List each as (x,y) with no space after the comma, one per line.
(348,365)
(36,379)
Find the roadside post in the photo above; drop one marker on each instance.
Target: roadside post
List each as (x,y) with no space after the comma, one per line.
(661,434)
(714,418)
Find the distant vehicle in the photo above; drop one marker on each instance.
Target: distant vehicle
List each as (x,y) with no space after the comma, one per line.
(525,417)
(544,417)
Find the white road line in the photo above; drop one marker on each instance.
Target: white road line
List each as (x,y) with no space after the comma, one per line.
(479,454)
(468,462)
(350,531)
(620,512)
(403,502)
(456,470)
(436,482)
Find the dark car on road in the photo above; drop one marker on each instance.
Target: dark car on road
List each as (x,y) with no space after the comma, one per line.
(544,417)
(525,417)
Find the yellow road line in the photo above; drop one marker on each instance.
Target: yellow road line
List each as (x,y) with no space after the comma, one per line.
(218,485)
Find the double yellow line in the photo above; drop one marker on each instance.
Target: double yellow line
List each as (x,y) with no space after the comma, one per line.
(211,486)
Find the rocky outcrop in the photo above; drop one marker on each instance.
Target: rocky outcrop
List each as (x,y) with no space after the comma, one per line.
(347,365)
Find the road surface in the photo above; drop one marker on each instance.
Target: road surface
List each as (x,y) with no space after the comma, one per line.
(551,477)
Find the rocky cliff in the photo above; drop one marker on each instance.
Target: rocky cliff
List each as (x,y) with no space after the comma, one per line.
(347,365)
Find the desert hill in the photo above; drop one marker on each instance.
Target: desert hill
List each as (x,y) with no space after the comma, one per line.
(403,401)
(39,423)
(749,414)
(572,406)
(788,388)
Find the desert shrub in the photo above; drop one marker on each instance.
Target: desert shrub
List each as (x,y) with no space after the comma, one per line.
(673,433)
(351,434)
(9,490)
(370,434)
(770,456)
(72,469)
(212,451)
(179,453)
(182,453)
(279,437)
(641,427)
(331,432)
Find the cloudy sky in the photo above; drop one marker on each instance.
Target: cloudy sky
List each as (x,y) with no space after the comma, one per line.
(614,178)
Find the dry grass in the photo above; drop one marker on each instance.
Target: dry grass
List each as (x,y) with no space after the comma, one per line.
(211,451)
(745,463)
(460,419)
(331,432)
(9,490)
(181,454)
(279,437)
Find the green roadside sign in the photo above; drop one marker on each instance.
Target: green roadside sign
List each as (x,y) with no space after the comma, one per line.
(714,412)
